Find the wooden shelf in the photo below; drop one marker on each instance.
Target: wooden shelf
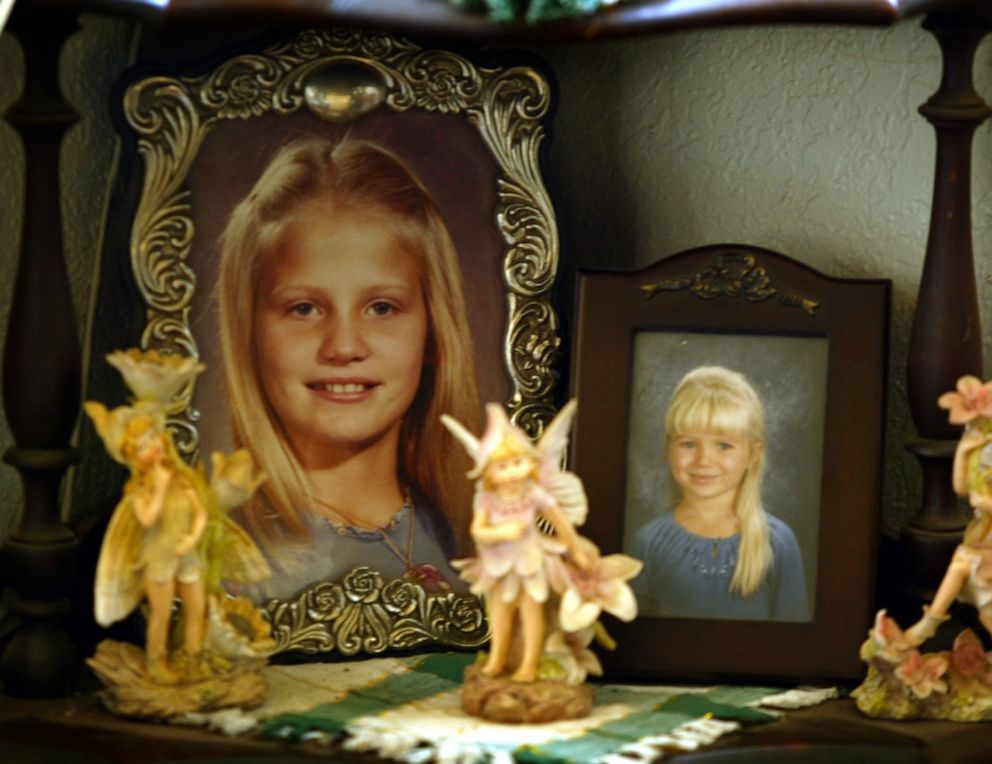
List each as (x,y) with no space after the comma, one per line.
(77,729)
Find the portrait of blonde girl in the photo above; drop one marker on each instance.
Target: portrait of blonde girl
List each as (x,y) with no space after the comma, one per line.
(344,338)
(717,553)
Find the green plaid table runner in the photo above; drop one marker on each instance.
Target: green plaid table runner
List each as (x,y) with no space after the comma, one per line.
(409,709)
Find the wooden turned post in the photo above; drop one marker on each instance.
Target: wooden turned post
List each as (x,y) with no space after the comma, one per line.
(41,380)
(946,339)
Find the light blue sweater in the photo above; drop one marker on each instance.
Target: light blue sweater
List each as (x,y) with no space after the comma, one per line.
(688,576)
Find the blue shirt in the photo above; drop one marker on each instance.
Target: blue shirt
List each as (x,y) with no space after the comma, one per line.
(332,551)
(688,576)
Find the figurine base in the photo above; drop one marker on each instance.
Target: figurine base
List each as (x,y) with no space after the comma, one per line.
(959,687)
(503,700)
(213,683)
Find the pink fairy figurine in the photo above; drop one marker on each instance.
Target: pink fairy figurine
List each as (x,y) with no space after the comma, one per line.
(520,566)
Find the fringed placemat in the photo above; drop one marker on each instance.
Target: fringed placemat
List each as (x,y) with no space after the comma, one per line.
(410,709)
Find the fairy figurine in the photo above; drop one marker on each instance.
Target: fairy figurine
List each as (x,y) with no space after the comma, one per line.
(956,684)
(969,575)
(530,560)
(170,535)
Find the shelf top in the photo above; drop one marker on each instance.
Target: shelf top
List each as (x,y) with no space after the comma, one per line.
(439,18)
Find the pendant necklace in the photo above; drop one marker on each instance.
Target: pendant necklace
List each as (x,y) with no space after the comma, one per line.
(423,574)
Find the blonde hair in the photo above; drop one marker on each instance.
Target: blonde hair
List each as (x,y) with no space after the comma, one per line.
(979,479)
(715,399)
(140,423)
(348,177)
(512,445)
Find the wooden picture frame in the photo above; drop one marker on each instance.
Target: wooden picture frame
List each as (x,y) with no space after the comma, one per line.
(471,134)
(772,318)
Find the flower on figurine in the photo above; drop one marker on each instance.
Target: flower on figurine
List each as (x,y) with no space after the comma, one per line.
(602,586)
(972,400)
(237,629)
(922,674)
(153,376)
(233,477)
(891,643)
(968,657)
(571,657)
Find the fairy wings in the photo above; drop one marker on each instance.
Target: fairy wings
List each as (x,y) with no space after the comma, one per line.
(549,451)
(224,547)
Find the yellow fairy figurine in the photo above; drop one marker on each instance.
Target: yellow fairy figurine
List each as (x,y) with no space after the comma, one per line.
(521,567)
(169,535)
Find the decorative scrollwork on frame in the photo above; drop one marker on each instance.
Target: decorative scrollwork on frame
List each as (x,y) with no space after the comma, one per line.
(733,275)
(364,614)
(532,353)
(172,116)
(509,120)
(443,82)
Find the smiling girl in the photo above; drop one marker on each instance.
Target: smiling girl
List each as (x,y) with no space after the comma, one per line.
(718,554)
(344,336)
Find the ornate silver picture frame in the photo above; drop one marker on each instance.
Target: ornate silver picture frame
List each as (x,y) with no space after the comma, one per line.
(472,134)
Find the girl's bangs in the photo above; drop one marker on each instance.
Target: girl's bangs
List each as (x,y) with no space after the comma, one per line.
(707,413)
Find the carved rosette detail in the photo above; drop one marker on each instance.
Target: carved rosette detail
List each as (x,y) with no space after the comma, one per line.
(172,116)
(364,614)
(443,82)
(732,275)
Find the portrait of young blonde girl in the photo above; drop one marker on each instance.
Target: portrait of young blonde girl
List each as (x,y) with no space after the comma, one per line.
(718,553)
(344,338)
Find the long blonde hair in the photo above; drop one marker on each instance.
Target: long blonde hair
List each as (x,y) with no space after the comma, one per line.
(347,177)
(715,399)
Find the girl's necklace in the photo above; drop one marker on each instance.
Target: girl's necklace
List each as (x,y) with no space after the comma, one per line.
(424,574)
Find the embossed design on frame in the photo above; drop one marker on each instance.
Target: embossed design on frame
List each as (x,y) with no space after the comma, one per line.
(172,115)
(364,614)
(732,275)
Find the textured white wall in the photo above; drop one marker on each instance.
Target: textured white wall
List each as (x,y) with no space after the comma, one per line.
(801,139)
(805,140)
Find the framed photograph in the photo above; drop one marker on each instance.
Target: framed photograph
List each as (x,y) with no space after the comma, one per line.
(352,232)
(738,433)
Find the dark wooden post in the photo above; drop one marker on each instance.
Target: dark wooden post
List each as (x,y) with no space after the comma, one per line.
(41,379)
(946,339)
